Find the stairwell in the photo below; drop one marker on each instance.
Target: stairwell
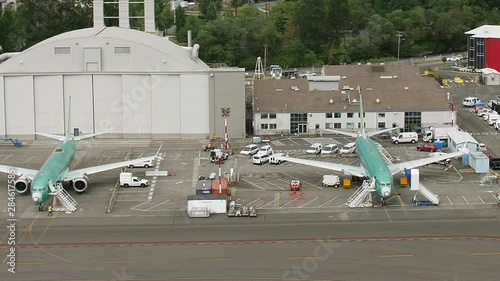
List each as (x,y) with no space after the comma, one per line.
(362,196)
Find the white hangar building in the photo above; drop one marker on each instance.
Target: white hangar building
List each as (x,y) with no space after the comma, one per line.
(128,83)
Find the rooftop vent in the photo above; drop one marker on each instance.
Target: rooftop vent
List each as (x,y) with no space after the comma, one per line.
(369,89)
(294,88)
(279,90)
(377,101)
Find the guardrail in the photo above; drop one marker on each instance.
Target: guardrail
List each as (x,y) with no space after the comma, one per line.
(109,208)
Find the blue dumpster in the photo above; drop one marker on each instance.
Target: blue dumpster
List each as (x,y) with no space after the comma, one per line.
(439,144)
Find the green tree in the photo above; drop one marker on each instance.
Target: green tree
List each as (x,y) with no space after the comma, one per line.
(164,16)
(210,9)
(9,41)
(235,4)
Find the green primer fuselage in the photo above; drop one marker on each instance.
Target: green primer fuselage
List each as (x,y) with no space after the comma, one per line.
(53,170)
(375,166)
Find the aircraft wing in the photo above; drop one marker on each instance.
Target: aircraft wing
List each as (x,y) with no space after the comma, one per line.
(55,137)
(27,173)
(346,169)
(399,167)
(101,168)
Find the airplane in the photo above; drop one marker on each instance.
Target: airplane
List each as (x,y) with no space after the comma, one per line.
(372,164)
(56,168)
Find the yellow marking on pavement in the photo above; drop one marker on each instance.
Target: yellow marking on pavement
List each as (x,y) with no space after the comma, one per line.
(29,263)
(395,256)
(485,254)
(46,228)
(28,229)
(211,260)
(119,261)
(387,213)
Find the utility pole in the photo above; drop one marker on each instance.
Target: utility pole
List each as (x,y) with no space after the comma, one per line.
(225,113)
(399,35)
(265,58)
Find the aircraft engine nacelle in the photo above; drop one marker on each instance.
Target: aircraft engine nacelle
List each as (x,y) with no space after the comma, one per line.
(81,184)
(21,185)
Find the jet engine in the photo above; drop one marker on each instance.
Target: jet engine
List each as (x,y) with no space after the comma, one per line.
(81,184)
(22,185)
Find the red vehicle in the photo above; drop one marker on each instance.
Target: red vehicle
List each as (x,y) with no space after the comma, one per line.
(427,147)
(295,185)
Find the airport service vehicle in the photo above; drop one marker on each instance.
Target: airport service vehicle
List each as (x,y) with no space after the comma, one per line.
(295,185)
(250,149)
(331,180)
(127,179)
(470,101)
(330,149)
(260,159)
(217,154)
(373,166)
(276,158)
(348,148)
(141,163)
(314,149)
(41,183)
(427,147)
(444,162)
(481,112)
(405,137)
(431,133)
(492,119)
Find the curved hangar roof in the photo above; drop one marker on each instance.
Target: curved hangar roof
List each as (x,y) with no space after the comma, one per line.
(108,49)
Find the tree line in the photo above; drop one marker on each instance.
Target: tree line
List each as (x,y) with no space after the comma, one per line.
(294,33)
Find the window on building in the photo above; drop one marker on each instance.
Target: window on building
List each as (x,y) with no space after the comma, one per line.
(337,125)
(350,125)
(328,115)
(381,125)
(381,115)
(62,50)
(337,115)
(350,115)
(412,121)
(328,125)
(272,115)
(264,116)
(272,126)
(264,126)
(122,50)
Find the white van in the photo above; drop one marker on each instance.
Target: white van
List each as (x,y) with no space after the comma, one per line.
(260,159)
(405,137)
(314,149)
(266,149)
(492,119)
(250,149)
(470,101)
(348,148)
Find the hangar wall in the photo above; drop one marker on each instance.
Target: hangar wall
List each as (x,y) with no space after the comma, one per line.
(124,106)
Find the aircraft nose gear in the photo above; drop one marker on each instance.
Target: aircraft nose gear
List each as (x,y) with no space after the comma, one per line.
(40,207)
(384,202)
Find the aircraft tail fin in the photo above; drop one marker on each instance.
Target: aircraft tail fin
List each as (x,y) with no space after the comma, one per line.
(361,114)
(56,137)
(78,138)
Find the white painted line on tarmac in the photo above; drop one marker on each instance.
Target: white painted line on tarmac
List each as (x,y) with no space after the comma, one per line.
(157,205)
(481,199)
(254,201)
(465,200)
(265,205)
(275,185)
(253,184)
(309,202)
(449,200)
(290,139)
(328,202)
(138,205)
(289,202)
(151,189)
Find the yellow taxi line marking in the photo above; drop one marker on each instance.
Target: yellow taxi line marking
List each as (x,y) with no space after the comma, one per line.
(29,263)
(485,254)
(119,261)
(395,256)
(211,260)
(305,257)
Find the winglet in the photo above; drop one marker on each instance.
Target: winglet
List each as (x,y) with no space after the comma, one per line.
(157,156)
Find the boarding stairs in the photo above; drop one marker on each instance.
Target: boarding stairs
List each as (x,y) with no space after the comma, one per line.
(362,197)
(488,178)
(433,198)
(67,202)
(387,157)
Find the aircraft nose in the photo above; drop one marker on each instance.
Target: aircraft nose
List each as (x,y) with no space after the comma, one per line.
(36,197)
(387,193)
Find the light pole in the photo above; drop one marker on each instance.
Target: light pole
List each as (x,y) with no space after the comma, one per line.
(225,113)
(399,35)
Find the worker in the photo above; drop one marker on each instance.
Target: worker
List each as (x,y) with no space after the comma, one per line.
(50,211)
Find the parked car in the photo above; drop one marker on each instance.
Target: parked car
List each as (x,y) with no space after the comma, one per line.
(307,74)
(330,149)
(348,148)
(314,149)
(483,111)
(266,149)
(427,147)
(444,162)
(260,159)
(250,149)
(140,164)
(454,58)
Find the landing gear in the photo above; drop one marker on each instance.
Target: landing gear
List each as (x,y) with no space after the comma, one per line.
(40,207)
(384,202)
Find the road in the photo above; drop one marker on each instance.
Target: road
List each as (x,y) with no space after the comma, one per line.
(272,247)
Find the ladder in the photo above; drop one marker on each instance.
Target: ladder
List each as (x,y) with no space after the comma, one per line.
(387,157)
(68,203)
(362,197)
(428,194)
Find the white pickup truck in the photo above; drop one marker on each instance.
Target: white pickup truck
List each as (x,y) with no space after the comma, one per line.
(127,179)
